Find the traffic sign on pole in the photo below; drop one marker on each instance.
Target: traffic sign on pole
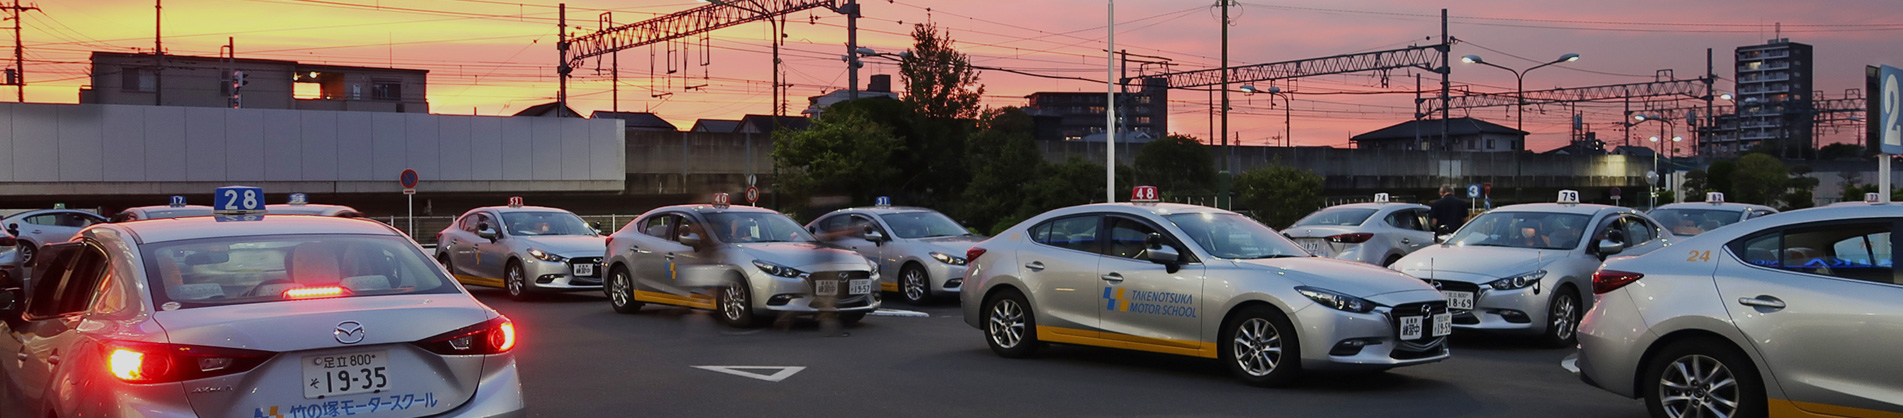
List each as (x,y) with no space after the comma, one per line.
(409,179)
(753,195)
(1473,191)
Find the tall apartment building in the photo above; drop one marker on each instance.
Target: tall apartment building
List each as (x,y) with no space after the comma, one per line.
(179,80)
(1774,93)
(1079,116)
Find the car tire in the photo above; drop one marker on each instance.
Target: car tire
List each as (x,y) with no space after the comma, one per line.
(516,282)
(620,290)
(1718,363)
(851,318)
(443,259)
(1562,318)
(733,305)
(1010,325)
(1260,346)
(27,251)
(915,285)
(1390,261)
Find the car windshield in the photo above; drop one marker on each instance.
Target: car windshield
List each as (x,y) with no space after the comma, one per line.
(746,227)
(545,223)
(922,225)
(1228,235)
(1688,222)
(252,269)
(1541,230)
(1336,217)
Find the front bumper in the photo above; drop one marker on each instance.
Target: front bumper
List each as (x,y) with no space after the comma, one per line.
(797,295)
(945,278)
(1513,311)
(1322,329)
(560,276)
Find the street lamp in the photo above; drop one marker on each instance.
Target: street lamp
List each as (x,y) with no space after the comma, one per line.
(1288,135)
(1519,77)
(1665,123)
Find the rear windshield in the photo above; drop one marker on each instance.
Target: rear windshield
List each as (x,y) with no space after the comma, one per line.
(238,270)
(1336,217)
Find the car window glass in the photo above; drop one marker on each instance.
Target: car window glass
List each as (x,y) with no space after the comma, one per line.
(546,223)
(82,279)
(1860,250)
(1128,237)
(482,219)
(686,226)
(1336,217)
(1637,231)
(75,220)
(1076,233)
(47,219)
(112,295)
(744,227)
(1544,230)
(658,226)
(1229,235)
(1041,233)
(49,273)
(1404,219)
(861,222)
(253,269)
(468,223)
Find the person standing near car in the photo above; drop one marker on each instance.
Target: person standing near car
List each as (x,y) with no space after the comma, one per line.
(1449,212)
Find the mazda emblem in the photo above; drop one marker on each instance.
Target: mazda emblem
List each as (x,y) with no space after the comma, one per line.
(349,332)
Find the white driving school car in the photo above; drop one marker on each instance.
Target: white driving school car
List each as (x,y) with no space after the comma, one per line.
(251,316)
(522,249)
(1196,281)
(1377,233)
(920,252)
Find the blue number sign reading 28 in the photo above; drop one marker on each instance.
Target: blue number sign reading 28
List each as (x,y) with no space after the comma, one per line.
(237,200)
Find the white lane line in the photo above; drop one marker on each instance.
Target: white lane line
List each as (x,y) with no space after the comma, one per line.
(780,373)
(899,313)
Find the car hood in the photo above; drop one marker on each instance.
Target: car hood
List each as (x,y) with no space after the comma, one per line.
(955,246)
(1319,231)
(569,245)
(801,255)
(1474,264)
(1379,285)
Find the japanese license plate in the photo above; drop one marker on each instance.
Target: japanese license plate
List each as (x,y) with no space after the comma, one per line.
(346,374)
(1411,327)
(859,286)
(1459,300)
(826,287)
(1443,324)
(1315,246)
(585,269)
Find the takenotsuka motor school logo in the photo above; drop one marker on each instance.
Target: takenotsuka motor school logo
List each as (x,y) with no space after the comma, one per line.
(1149,302)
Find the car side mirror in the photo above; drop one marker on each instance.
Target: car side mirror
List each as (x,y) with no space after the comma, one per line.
(597,226)
(691,239)
(1609,247)
(483,230)
(1442,238)
(874,236)
(1164,254)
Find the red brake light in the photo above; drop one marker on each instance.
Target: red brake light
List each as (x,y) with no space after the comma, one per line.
(144,362)
(971,255)
(1609,280)
(8,241)
(493,336)
(1355,238)
(318,292)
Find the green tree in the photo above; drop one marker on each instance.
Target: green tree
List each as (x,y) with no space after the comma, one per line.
(1840,151)
(1003,158)
(1176,164)
(1279,195)
(1718,176)
(1799,187)
(840,154)
(939,81)
(1760,178)
(1697,182)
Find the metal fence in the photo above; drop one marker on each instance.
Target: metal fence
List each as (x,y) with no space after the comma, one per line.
(428,226)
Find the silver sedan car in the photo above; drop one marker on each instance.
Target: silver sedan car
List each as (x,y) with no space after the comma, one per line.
(1693,218)
(282,316)
(522,249)
(1791,315)
(747,264)
(1527,269)
(921,253)
(161,212)
(1373,233)
(40,227)
(1196,281)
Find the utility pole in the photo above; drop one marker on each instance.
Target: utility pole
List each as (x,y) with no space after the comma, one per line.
(561,49)
(158,52)
(1447,87)
(852,49)
(1110,112)
(1711,121)
(1227,176)
(18,76)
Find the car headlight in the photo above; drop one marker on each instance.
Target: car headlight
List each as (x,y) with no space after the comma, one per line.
(872,269)
(777,270)
(546,256)
(1337,300)
(1518,281)
(948,259)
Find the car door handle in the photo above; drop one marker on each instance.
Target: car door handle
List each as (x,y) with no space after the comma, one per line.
(1763,301)
(1113,278)
(637,248)
(1035,266)
(1407,241)
(670,256)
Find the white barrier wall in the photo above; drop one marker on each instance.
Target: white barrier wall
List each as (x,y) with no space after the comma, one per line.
(63,149)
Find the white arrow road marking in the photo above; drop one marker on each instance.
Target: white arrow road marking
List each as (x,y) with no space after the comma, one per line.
(899,312)
(782,373)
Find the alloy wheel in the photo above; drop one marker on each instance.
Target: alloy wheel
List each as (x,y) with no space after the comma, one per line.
(1698,386)
(913,283)
(1006,325)
(1257,347)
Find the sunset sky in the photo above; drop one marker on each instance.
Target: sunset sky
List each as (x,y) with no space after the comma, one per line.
(494,57)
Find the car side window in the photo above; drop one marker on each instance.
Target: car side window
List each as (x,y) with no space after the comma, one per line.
(49,274)
(860,223)
(47,219)
(1851,250)
(1638,231)
(71,278)
(685,225)
(484,219)
(658,226)
(1076,233)
(1128,237)
(1405,219)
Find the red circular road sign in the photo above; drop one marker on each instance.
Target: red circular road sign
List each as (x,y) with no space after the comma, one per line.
(753,195)
(408,178)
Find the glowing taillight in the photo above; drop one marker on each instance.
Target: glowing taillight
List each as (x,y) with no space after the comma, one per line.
(971,255)
(493,336)
(1609,280)
(127,365)
(505,340)
(314,292)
